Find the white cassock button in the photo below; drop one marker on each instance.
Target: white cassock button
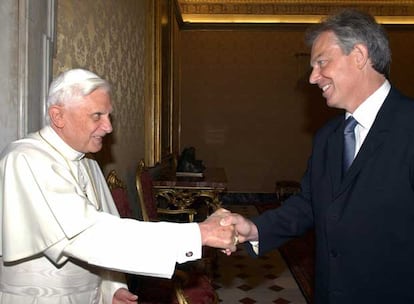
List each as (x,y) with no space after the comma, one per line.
(189,254)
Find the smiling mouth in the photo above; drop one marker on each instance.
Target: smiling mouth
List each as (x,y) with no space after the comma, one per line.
(98,138)
(325,90)
(325,87)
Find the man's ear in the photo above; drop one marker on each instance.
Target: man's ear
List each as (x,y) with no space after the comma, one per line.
(360,53)
(56,116)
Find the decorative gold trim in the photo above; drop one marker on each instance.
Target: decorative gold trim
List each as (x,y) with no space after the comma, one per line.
(293,11)
(114,181)
(167,100)
(153,84)
(158,90)
(167,194)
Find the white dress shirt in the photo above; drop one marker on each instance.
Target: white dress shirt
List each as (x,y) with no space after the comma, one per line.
(366,113)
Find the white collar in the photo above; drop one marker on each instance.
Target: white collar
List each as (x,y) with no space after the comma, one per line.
(57,143)
(366,113)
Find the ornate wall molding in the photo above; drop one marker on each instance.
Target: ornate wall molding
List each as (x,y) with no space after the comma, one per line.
(294,11)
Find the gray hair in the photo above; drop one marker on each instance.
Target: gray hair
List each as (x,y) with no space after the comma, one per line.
(352,27)
(73,84)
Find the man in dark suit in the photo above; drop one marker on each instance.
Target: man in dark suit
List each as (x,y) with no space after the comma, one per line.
(363,215)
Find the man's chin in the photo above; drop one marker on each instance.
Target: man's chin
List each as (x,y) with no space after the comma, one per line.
(95,148)
(330,103)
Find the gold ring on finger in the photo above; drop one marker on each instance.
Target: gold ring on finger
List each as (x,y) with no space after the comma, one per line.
(235,240)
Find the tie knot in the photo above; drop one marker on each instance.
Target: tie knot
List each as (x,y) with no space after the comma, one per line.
(350,124)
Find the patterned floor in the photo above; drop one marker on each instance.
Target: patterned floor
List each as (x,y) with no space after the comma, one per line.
(243,279)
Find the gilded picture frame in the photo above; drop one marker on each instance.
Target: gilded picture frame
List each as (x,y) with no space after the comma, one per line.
(159,90)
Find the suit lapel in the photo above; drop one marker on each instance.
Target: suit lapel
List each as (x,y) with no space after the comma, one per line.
(368,149)
(335,144)
(373,142)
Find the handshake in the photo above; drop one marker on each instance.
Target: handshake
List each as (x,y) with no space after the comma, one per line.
(225,230)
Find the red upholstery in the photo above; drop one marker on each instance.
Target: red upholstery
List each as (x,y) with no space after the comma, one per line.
(149,200)
(199,290)
(120,197)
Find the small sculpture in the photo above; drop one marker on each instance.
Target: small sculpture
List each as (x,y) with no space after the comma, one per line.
(187,162)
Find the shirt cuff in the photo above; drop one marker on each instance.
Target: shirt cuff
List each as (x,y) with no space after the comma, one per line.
(191,246)
(255,246)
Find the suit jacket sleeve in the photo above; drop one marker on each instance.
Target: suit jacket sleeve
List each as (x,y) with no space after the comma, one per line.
(292,219)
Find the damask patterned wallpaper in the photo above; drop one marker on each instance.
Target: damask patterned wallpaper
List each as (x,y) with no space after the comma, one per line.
(107,37)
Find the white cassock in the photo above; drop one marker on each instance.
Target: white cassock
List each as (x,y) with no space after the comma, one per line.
(61,237)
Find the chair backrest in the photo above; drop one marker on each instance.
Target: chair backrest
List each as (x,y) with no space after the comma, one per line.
(119,194)
(145,194)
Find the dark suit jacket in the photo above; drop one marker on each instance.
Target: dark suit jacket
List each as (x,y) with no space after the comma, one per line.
(364,222)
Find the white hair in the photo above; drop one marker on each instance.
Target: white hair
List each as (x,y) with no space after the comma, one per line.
(69,86)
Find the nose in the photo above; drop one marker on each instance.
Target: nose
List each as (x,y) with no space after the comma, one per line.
(314,76)
(107,125)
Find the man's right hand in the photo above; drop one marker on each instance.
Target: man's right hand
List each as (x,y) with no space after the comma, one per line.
(245,229)
(215,234)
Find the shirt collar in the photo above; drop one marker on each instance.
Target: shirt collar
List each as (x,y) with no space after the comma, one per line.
(57,143)
(365,114)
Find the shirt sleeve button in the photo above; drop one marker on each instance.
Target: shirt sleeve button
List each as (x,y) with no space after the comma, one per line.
(189,254)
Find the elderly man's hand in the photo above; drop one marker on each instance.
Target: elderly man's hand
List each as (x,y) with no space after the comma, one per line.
(123,296)
(215,234)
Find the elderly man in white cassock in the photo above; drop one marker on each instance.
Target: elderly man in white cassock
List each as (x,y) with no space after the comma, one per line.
(61,237)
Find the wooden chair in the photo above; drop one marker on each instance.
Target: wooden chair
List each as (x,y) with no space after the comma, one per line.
(186,287)
(150,206)
(119,194)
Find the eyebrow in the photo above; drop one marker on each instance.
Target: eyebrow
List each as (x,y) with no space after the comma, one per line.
(315,59)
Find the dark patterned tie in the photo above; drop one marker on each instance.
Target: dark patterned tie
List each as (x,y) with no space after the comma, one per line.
(349,143)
